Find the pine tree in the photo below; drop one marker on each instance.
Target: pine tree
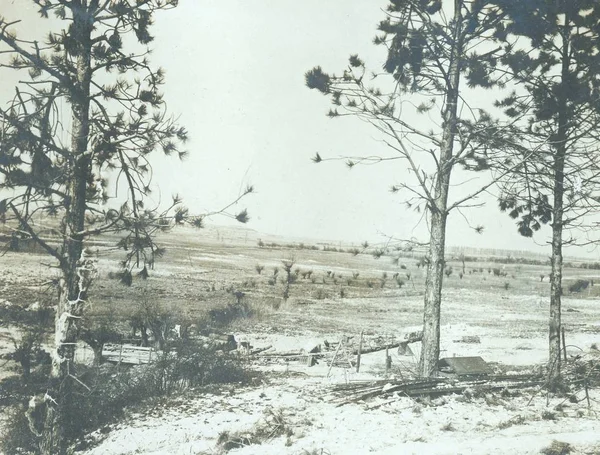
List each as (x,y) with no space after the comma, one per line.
(436,52)
(95,67)
(554,63)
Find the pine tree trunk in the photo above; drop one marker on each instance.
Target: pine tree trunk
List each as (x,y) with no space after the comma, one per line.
(430,351)
(59,405)
(560,145)
(554,353)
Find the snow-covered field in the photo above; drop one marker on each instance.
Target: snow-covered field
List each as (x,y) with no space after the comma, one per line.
(508,314)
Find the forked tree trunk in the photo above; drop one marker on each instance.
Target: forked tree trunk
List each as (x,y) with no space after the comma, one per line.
(59,403)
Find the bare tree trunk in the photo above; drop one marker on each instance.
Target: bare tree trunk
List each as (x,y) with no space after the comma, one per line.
(554,325)
(554,358)
(72,294)
(430,351)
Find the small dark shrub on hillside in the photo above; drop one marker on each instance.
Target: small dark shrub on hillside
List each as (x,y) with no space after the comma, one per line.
(579,285)
(320,294)
(227,314)
(557,448)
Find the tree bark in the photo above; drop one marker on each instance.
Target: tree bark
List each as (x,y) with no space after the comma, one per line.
(430,350)
(560,145)
(438,209)
(72,293)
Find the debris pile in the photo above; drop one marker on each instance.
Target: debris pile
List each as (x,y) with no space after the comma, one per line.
(353,392)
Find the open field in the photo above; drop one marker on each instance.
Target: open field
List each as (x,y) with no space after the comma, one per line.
(335,295)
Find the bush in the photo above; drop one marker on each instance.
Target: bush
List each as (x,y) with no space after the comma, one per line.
(273,425)
(227,314)
(579,285)
(557,448)
(17,437)
(320,294)
(110,389)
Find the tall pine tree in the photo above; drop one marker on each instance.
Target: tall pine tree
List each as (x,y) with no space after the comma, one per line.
(554,64)
(437,52)
(94,66)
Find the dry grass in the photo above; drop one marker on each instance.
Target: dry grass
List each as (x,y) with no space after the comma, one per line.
(273,424)
(557,448)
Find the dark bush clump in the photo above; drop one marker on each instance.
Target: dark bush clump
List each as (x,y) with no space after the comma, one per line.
(579,285)
(109,389)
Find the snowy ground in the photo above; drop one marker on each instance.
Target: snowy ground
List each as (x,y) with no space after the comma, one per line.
(447,425)
(456,424)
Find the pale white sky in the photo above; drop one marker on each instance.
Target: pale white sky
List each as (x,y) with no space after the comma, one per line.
(235,76)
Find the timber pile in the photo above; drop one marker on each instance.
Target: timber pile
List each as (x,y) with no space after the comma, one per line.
(361,391)
(342,353)
(128,354)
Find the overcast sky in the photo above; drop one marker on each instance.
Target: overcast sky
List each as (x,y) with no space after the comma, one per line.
(235,77)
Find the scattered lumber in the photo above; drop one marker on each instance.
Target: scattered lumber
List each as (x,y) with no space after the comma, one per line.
(128,354)
(360,391)
(259,350)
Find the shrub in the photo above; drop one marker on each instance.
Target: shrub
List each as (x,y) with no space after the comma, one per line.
(496,271)
(320,294)
(225,315)
(557,448)
(378,253)
(109,389)
(579,285)
(259,268)
(249,283)
(272,425)
(16,435)
(448,271)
